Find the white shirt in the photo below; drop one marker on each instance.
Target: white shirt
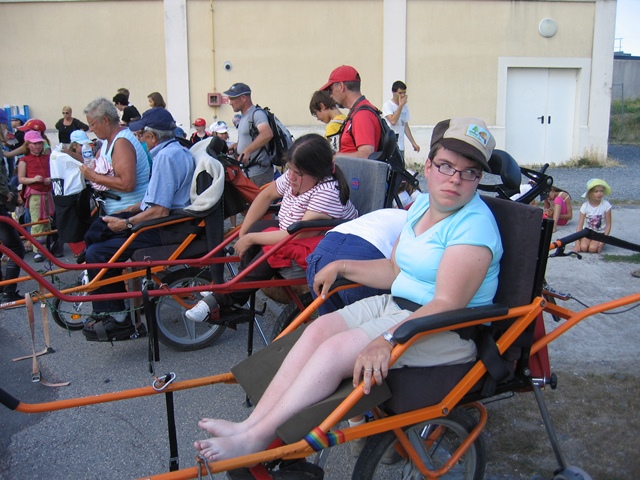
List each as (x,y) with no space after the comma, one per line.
(389,108)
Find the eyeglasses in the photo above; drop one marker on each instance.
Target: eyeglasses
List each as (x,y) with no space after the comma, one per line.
(66,113)
(469,175)
(92,123)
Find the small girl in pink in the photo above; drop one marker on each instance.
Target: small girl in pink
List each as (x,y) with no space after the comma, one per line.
(557,205)
(34,175)
(595,214)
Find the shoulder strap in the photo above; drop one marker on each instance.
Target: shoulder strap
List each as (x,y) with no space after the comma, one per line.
(370,108)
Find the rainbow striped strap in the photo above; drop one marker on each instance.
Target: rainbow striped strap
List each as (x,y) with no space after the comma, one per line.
(319,440)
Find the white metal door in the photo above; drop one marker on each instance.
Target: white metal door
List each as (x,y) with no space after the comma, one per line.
(540,114)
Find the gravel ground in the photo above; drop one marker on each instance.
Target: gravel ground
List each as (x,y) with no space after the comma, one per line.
(623,179)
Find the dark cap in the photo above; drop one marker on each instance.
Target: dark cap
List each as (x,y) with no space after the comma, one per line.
(157,118)
(467,136)
(238,89)
(3,116)
(344,73)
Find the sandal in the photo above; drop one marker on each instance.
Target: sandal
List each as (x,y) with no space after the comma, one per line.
(106,329)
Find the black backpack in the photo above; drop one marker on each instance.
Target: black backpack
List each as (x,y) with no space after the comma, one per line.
(281,140)
(387,137)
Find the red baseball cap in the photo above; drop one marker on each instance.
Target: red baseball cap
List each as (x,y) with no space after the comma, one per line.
(200,122)
(344,73)
(33,124)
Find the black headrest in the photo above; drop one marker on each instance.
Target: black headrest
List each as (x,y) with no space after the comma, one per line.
(503,164)
(217,146)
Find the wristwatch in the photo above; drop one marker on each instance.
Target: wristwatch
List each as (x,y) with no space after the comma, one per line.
(390,338)
(129,225)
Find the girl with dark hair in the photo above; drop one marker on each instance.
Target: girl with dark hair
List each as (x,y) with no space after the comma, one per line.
(312,188)
(557,206)
(156,100)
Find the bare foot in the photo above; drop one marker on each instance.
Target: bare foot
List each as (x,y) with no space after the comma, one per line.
(222,448)
(222,428)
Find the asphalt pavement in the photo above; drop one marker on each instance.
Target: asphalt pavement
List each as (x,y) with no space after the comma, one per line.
(128,439)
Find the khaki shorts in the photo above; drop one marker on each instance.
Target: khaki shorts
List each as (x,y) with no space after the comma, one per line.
(375,315)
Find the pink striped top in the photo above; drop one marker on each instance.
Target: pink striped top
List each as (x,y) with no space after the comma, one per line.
(322,198)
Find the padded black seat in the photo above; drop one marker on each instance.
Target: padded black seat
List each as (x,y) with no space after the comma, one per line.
(520,229)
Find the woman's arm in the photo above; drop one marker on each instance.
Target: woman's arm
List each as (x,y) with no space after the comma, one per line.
(246,240)
(373,273)
(259,206)
(123,161)
(80,125)
(462,270)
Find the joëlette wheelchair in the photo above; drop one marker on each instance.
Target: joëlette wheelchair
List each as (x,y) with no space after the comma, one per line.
(172,275)
(432,429)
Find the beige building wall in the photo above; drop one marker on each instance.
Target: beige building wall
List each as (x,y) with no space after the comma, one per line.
(453,65)
(453,54)
(59,53)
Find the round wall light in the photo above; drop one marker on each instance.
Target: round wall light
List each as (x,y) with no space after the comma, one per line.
(547,27)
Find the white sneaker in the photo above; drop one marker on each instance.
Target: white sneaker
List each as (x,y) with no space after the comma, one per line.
(199,313)
(202,309)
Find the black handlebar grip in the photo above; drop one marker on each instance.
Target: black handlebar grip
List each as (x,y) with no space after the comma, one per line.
(8,400)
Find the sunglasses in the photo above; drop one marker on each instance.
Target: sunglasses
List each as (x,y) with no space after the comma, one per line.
(66,113)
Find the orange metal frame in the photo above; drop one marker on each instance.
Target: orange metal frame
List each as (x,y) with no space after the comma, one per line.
(523,316)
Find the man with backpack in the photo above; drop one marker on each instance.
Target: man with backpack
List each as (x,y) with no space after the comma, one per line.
(254,133)
(362,130)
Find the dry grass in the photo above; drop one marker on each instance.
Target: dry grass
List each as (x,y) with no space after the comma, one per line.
(625,127)
(596,420)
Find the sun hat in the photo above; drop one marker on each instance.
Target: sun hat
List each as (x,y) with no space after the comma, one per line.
(467,136)
(238,89)
(219,127)
(79,136)
(344,73)
(33,124)
(595,182)
(157,118)
(200,122)
(33,136)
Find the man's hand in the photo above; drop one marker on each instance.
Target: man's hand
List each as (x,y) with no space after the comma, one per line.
(402,100)
(115,224)
(372,364)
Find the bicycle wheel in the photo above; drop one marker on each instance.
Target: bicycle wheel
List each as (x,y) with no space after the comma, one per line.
(174,329)
(71,315)
(289,314)
(435,441)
